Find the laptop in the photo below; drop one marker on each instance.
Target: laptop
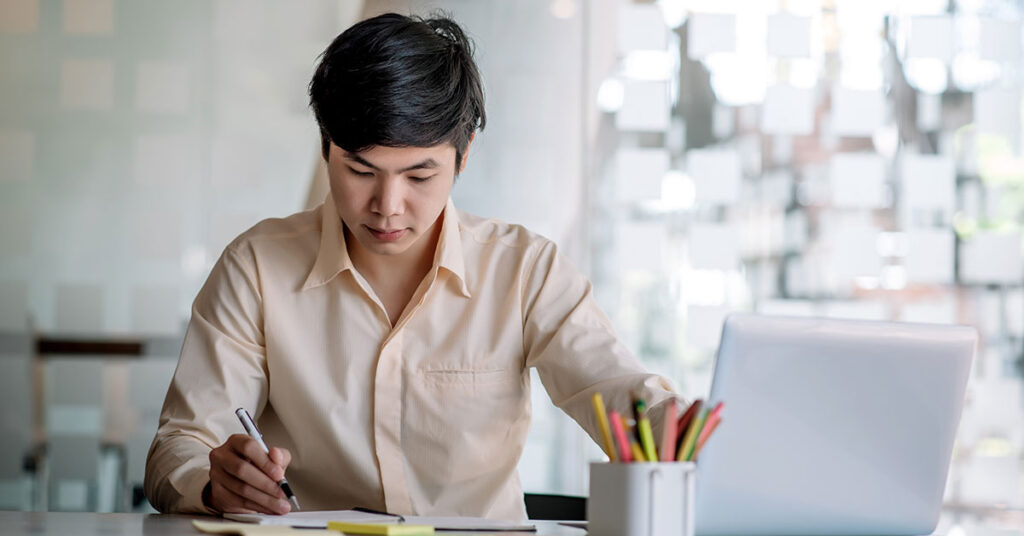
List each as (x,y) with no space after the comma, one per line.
(831,427)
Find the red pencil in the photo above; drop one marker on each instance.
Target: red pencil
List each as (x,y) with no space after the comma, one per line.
(619,431)
(668,435)
(705,434)
(684,421)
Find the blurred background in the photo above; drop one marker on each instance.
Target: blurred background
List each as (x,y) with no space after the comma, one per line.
(841,158)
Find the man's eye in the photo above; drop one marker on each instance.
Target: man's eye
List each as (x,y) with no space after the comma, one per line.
(362,173)
(421,179)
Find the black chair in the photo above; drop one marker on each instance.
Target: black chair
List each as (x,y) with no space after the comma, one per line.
(555,507)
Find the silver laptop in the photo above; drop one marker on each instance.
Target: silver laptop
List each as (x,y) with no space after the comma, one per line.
(831,426)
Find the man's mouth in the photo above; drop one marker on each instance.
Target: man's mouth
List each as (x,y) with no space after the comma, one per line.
(386,235)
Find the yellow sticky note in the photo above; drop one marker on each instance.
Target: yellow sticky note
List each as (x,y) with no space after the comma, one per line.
(385,529)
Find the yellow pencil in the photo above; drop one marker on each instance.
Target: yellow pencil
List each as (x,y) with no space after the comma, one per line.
(643,426)
(690,440)
(638,453)
(602,423)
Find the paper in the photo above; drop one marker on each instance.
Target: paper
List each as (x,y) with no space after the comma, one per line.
(927,185)
(645,106)
(168,160)
(992,257)
(990,112)
(709,33)
(789,36)
(641,27)
(929,111)
(319,519)
(788,110)
(80,308)
(716,174)
(639,173)
(857,113)
(17,155)
(858,181)
(931,37)
(713,246)
(930,256)
(19,16)
(999,39)
(383,529)
(87,84)
(162,87)
(248,529)
(89,17)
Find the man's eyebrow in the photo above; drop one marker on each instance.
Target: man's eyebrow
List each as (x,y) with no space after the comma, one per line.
(429,163)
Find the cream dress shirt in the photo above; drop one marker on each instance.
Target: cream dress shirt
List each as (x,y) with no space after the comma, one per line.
(428,416)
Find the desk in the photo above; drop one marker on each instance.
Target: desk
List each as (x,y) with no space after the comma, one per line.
(91,524)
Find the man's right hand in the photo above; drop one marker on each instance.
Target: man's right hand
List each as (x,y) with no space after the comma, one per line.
(243,478)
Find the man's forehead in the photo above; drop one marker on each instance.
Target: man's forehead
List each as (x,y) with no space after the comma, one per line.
(386,157)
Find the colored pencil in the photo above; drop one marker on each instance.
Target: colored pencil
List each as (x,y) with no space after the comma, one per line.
(643,425)
(668,435)
(684,423)
(602,423)
(690,441)
(620,436)
(705,435)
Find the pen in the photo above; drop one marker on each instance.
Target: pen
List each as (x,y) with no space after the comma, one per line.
(401,518)
(250,428)
(646,435)
(602,423)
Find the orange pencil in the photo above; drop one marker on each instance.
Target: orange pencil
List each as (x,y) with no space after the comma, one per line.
(715,415)
(668,435)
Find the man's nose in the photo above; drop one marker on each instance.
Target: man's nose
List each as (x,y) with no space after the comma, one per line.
(390,198)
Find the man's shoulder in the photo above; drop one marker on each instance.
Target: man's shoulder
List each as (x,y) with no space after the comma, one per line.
(295,233)
(497,233)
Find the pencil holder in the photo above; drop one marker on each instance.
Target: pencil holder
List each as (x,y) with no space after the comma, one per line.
(641,499)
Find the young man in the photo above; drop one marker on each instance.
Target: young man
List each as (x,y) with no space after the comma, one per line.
(383,340)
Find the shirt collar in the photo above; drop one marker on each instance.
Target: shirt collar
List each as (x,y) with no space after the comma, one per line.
(332,256)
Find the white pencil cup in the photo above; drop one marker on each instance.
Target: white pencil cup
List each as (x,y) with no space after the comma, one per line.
(641,499)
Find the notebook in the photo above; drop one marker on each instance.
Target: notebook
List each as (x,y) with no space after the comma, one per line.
(319,519)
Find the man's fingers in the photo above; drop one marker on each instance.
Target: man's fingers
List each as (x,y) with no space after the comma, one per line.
(250,449)
(281,457)
(239,493)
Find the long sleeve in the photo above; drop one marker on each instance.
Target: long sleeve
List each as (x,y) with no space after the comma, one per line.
(222,367)
(572,344)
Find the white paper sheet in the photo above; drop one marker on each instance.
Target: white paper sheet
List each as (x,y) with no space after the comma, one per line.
(716,174)
(788,110)
(645,106)
(930,256)
(87,84)
(17,155)
(992,257)
(857,113)
(639,173)
(162,87)
(713,246)
(991,112)
(320,518)
(709,33)
(999,39)
(858,180)
(931,37)
(789,36)
(641,27)
(89,17)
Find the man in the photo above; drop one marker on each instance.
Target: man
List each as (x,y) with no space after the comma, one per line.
(383,339)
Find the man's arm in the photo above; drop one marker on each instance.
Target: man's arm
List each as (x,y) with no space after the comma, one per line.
(222,367)
(572,344)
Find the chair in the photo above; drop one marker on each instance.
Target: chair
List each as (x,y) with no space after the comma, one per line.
(555,507)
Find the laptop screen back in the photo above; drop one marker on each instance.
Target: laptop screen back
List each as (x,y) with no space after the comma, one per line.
(831,426)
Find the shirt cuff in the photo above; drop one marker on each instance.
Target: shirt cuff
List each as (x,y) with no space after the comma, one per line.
(189,481)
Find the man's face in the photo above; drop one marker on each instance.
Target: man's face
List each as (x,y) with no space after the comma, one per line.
(390,197)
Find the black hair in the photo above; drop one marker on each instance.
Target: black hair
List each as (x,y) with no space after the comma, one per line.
(398,81)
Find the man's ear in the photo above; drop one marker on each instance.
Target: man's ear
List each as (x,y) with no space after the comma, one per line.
(465,154)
